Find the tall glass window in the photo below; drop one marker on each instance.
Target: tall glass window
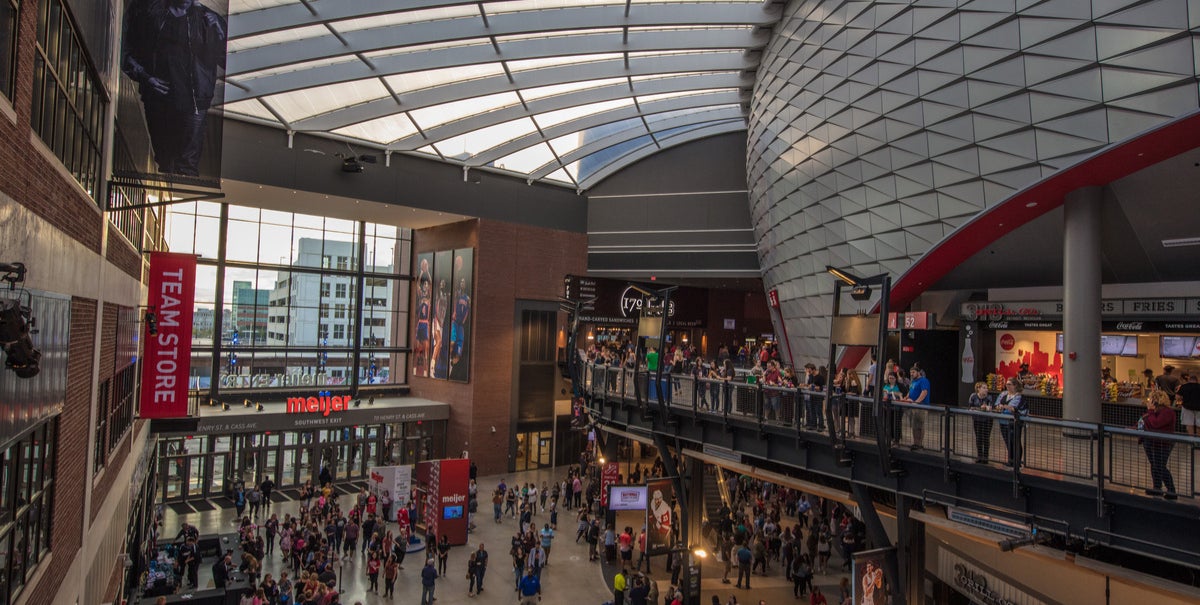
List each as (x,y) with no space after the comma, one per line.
(289,304)
(26,499)
(9,9)
(68,99)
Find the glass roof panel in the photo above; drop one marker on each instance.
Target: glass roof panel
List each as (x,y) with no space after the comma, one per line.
(403,17)
(248,77)
(418,48)
(471,143)
(600,159)
(277,37)
(559,34)
(252,108)
(675,95)
(410,69)
(542,92)
(428,117)
(570,142)
(667,115)
(309,102)
(527,160)
(382,130)
(561,175)
(550,118)
(245,6)
(430,78)
(527,64)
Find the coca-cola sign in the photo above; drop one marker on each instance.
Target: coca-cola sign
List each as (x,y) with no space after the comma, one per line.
(1007,342)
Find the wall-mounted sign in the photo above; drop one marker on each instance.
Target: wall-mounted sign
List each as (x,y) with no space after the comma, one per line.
(1136,307)
(617,302)
(969,578)
(773,299)
(915,320)
(168,350)
(729,324)
(317,405)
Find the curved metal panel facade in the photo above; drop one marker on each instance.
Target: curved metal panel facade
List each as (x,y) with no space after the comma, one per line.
(879,128)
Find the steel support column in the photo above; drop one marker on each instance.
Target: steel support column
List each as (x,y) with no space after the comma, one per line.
(1081,305)
(878,536)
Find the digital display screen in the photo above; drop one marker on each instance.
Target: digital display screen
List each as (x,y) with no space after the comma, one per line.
(1123,345)
(1179,347)
(627,497)
(452,512)
(1110,344)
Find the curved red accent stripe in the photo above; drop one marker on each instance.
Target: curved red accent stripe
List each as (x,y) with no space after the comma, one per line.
(1107,165)
(1112,163)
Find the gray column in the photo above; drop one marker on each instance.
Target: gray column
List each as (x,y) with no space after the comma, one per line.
(1081,305)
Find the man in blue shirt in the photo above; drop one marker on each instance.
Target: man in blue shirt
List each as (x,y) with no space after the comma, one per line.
(429,577)
(530,588)
(918,392)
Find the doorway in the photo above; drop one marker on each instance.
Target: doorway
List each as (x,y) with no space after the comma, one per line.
(534,450)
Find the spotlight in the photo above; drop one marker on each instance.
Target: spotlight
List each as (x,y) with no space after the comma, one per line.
(258,407)
(371,401)
(246,402)
(16,326)
(224,407)
(861,293)
(212,402)
(357,402)
(351,165)
(1014,543)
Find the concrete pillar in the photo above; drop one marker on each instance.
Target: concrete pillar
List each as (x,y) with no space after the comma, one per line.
(1081,305)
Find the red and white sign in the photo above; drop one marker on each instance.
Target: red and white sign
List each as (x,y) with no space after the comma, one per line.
(773,298)
(447,489)
(1007,342)
(167,355)
(317,405)
(608,478)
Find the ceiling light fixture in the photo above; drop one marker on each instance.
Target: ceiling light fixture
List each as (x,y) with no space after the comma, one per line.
(1181,242)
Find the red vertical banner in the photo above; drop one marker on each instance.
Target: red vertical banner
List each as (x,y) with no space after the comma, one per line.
(608,478)
(167,353)
(453,486)
(431,473)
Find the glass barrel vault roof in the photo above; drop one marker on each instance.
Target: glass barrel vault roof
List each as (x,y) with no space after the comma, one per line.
(563,91)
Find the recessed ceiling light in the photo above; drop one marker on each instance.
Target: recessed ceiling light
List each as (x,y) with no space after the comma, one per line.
(1181,242)
(1001,224)
(1031,204)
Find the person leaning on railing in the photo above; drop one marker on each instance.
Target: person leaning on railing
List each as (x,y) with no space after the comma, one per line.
(1159,418)
(981,400)
(1011,403)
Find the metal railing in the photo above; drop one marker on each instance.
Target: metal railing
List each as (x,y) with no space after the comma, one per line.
(1108,456)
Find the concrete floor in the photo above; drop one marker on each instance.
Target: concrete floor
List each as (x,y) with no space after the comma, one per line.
(569,579)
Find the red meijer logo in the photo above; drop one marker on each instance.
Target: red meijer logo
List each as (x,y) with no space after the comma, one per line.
(1007,342)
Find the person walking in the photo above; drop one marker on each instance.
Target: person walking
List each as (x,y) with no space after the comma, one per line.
(267,486)
(619,584)
(530,588)
(744,559)
(1159,418)
(390,570)
(481,562)
(472,569)
(373,566)
(429,576)
(547,540)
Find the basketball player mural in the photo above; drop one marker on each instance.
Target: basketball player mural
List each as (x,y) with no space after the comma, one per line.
(437,362)
(421,344)
(462,308)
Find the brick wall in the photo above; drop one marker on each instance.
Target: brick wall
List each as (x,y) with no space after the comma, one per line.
(27,175)
(512,262)
(70,473)
(121,254)
(111,468)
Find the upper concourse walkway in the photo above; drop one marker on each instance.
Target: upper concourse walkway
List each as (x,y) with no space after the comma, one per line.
(1066,477)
